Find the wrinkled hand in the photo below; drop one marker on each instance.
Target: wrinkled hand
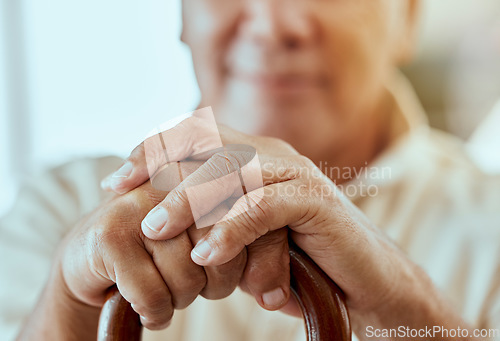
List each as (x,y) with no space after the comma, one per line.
(267,273)
(156,277)
(325,224)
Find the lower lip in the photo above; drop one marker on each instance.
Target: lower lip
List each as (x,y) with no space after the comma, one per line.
(282,87)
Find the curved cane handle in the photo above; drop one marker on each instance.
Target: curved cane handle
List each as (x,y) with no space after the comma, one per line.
(118,321)
(321,301)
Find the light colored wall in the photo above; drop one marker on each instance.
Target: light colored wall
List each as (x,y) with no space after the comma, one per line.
(93,68)
(457,65)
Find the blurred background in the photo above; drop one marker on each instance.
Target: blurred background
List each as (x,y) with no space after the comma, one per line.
(74,76)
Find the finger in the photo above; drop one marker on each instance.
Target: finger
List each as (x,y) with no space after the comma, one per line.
(184,279)
(292,307)
(222,279)
(130,175)
(228,173)
(271,209)
(142,285)
(193,135)
(267,274)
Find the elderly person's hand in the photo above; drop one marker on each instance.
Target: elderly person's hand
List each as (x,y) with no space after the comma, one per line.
(377,278)
(108,247)
(267,273)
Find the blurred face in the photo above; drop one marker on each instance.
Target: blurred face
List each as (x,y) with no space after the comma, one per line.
(311,72)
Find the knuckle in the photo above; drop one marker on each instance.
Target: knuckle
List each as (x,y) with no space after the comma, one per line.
(187,287)
(319,189)
(256,217)
(220,171)
(224,163)
(105,236)
(304,162)
(254,221)
(150,197)
(214,168)
(269,274)
(262,208)
(281,145)
(290,167)
(95,259)
(139,201)
(137,155)
(104,243)
(283,171)
(194,283)
(131,203)
(177,198)
(223,279)
(155,305)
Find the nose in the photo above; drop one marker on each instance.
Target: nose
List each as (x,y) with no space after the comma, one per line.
(283,23)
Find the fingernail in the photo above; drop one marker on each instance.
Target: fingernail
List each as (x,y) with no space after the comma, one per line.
(124,171)
(105,183)
(156,219)
(274,298)
(203,250)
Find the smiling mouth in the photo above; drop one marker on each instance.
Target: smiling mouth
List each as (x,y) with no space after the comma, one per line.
(283,84)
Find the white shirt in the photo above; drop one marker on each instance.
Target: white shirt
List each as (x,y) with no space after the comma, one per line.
(431,200)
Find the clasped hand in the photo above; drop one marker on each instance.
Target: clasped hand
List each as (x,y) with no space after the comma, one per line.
(250,238)
(143,238)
